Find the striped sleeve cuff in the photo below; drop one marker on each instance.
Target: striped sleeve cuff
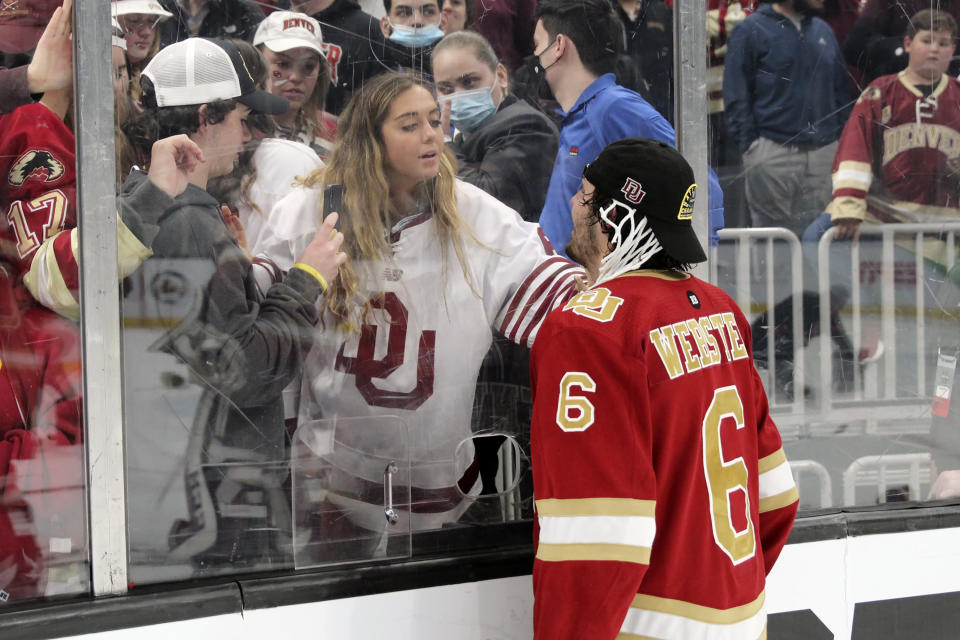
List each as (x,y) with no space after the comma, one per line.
(617,529)
(777,488)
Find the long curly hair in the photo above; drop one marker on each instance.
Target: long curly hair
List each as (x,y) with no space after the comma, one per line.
(358,162)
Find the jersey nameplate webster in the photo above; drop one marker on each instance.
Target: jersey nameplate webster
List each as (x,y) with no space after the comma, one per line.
(692,344)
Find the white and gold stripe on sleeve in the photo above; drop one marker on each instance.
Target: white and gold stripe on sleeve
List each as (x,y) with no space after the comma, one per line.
(852,175)
(653,617)
(777,488)
(617,529)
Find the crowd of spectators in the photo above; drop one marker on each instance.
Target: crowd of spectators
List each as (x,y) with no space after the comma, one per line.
(458,131)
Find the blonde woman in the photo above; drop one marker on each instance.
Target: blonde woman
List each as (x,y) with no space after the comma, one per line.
(139,20)
(434,265)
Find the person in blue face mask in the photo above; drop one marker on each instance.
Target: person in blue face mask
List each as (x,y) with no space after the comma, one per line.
(410,28)
(502,144)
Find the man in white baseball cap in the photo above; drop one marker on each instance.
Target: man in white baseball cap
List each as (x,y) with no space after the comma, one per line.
(243,346)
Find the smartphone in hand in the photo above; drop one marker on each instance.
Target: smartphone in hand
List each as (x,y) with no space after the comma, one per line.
(333,201)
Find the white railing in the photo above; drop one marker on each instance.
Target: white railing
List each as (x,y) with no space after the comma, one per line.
(867,387)
(882,471)
(811,467)
(744,267)
(757,254)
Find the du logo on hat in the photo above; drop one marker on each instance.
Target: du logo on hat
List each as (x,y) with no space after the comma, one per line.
(633,191)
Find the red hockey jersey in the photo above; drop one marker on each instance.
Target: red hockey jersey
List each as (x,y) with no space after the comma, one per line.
(39,178)
(903,149)
(663,495)
(38,217)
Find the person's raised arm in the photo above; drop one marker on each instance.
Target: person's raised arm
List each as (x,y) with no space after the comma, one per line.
(52,64)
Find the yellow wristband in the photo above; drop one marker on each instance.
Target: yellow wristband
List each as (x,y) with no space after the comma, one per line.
(324,285)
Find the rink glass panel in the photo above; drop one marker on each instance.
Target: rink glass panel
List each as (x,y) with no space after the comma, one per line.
(856,343)
(858,433)
(44,551)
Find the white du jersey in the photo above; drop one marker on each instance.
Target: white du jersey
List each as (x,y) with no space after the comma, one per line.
(417,354)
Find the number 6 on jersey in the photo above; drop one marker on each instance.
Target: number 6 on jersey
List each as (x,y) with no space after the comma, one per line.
(725,478)
(575,412)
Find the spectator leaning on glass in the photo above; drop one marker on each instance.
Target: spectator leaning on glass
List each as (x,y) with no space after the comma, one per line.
(435,263)
(139,20)
(503,145)
(267,170)
(292,45)
(662,491)
(786,96)
(244,349)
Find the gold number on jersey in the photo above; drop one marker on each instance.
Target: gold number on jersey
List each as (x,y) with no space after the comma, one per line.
(596,304)
(575,412)
(726,477)
(22,213)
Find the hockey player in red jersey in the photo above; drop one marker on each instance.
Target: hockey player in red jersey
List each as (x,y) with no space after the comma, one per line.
(663,495)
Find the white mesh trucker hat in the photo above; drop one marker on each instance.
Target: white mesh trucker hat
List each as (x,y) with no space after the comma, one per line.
(200,70)
(285,30)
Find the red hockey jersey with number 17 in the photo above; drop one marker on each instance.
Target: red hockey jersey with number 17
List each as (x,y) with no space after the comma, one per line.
(663,495)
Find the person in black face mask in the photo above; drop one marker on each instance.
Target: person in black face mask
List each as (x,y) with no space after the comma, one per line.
(577,43)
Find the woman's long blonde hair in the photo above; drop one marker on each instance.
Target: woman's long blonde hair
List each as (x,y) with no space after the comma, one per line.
(358,163)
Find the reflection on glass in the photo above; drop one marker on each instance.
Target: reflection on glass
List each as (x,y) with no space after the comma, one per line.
(854,327)
(43,540)
(352,495)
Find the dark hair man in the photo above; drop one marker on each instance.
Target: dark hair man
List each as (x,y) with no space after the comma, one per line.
(663,495)
(243,348)
(577,43)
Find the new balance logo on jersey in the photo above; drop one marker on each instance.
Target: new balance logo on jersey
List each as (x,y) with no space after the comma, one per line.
(633,191)
(35,165)
(694,300)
